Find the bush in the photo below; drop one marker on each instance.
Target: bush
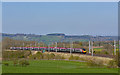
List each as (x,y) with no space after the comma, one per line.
(106,52)
(6,64)
(46,56)
(11,55)
(71,57)
(112,64)
(59,57)
(95,63)
(97,52)
(38,55)
(15,62)
(27,53)
(82,59)
(52,56)
(23,62)
(62,57)
(74,57)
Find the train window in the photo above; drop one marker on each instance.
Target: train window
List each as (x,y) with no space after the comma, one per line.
(83,49)
(77,50)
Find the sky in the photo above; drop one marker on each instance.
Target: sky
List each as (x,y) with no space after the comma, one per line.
(71,18)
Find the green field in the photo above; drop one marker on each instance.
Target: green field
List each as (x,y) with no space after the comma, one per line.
(0,68)
(55,66)
(97,49)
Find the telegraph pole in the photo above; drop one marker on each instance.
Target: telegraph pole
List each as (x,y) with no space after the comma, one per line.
(89,47)
(114,47)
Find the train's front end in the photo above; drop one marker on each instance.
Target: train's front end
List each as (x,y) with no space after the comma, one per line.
(83,51)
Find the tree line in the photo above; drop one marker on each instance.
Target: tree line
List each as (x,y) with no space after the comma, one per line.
(107,46)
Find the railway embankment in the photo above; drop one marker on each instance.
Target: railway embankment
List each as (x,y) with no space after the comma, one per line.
(83,57)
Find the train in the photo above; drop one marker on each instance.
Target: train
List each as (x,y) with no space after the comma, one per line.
(51,49)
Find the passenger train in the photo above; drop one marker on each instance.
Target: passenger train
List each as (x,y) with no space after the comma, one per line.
(51,49)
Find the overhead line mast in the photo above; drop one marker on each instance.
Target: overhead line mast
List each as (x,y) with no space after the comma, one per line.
(71,46)
(114,47)
(92,47)
(56,46)
(89,47)
(23,45)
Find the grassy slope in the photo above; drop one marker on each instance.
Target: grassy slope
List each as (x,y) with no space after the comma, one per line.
(0,68)
(51,66)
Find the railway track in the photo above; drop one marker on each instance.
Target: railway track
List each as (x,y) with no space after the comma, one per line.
(102,55)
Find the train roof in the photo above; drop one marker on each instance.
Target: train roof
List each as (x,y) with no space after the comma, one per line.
(48,47)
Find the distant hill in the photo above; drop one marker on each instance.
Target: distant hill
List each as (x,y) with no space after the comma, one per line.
(57,37)
(56,34)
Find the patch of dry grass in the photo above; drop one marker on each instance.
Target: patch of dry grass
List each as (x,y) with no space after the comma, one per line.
(104,60)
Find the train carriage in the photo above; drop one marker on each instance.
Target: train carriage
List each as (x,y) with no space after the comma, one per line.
(36,48)
(52,49)
(42,48)
(12,48)
(62,49)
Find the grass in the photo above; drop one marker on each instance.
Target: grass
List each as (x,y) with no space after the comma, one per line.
(97,49)
(0,69)
(54,66)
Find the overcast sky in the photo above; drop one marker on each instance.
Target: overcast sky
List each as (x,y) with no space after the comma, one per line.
(71,18)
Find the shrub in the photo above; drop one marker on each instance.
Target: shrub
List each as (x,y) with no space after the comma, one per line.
(112,64)
(11,55)
(15,62)
(62,57)
(95,63)
(23,62)
(38,55)
(31,57)
(97,52)
(22,56)
(74,57)
(46,56)
(106,52)
(52,56)
(6,64)
(71,57)
(57,57)
(27,53)
(83,58)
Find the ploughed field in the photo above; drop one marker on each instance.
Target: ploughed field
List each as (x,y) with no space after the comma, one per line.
(55,66)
